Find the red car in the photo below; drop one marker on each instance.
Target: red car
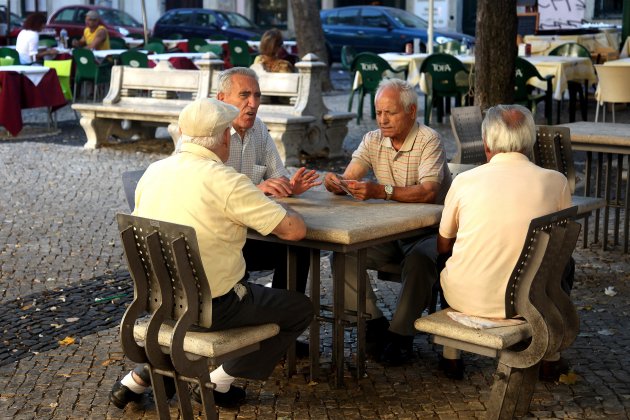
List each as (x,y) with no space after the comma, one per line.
(72,19)
(14,28)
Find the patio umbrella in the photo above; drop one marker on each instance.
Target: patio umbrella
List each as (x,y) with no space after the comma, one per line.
(144,23)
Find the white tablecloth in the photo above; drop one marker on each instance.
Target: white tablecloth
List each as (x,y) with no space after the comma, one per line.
(34,73)
(543,44)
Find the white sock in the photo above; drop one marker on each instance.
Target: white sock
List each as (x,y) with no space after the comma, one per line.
(130,383)
(451,353)
(221,379)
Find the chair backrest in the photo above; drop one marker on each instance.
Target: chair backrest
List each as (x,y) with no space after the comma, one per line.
(155,39)
(85,63)
(46,42)
(571,49)
(130,182)
(170,284)
(552,150)
(466,125)
(174,36)
(117,43)
(371,68)
(613,83)
(156,47)
(218,37)
(239,53)
(6,61)
(10,53)
(524,70)
(63,69)
(450,47)
(443,69)
(195,43)
(215,49)
(347,56)
(532,290)
(134,59)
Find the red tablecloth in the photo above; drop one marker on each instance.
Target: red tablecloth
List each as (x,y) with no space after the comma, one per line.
(18,92)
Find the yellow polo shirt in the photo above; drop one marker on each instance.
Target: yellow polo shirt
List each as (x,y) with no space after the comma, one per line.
(195,188)
(89,37)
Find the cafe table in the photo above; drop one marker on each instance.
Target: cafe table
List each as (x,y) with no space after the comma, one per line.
(607,147)
(101,54)
(27,87)
(342,224)
(410,62)
(620,62)
(543,44)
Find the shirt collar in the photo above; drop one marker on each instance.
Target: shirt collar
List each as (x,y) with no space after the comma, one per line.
(409,140)
(195,149)
(509,157)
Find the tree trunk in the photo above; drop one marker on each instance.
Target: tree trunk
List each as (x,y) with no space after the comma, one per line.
(309,34)
(495,52)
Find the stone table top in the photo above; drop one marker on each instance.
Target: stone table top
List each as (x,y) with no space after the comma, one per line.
(606,134)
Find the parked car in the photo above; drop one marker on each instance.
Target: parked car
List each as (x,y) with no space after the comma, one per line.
(204,23)
(72,18)
(13,28)
(377,29)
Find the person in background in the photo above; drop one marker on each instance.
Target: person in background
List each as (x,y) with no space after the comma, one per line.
(95,36)
(27,43)
(486,215)
(272,56)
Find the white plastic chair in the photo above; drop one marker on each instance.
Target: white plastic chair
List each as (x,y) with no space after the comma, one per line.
(613,87)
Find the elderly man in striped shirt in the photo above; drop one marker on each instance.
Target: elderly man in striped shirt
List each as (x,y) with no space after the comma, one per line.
(409,163)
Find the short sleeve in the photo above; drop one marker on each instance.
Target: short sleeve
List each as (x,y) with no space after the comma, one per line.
(449,222)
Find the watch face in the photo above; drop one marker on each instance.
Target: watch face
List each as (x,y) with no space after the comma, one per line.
(389,189)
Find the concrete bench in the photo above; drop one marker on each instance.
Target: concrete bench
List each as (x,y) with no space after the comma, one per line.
(533,292)
(141,99)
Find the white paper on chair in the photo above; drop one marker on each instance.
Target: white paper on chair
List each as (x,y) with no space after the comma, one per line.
(480,323)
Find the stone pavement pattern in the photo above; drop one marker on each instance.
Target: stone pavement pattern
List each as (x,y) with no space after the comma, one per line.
(62,276)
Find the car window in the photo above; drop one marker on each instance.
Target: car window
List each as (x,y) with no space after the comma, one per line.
(177,18)
(331,18)
(374,18)
(348,17)
(236,20)
(407,19)
(79,18)
(66,15)
(118,18)
(205,19)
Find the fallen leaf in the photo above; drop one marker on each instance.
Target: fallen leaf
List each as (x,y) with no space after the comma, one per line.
(610,291)
(26,307)
(569,379)
(65,375)
(66,341)
(586,308)
(53,404)
(72,319)
(57,326)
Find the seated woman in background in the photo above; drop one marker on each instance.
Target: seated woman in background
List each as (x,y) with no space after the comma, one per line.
(27,43)
(270,52)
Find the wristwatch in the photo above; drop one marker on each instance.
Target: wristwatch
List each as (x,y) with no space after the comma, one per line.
(389,190)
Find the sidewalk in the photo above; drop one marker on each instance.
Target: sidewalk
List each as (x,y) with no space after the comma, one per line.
(62,275)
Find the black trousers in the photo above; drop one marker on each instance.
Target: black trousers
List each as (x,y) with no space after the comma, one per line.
(260,255)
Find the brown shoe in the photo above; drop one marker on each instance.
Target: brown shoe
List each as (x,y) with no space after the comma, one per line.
(550,371)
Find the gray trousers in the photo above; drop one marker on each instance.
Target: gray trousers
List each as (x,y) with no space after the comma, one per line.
(291,310)
(417,257)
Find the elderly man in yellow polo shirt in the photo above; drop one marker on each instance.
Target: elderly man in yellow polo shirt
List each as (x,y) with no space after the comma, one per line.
(194,187)
(95,36)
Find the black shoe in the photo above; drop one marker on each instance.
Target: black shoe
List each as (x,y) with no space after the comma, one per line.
(302,350)
(233,398)
(550,371)
(376,333)
(452,368)
(398,350)
(169,383)
(120,395)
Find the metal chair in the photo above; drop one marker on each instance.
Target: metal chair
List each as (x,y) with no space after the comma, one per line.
(525,93)
(239,53)
(572,49)
(87,70)
(448,79)
(533,292)
(117,43)
(170,286)
(134,58)
(371,68)
(613,87)
(466,125)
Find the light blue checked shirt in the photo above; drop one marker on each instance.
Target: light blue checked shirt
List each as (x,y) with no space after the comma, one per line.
(256,155)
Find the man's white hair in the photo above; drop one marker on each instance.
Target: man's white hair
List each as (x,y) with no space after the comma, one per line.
(509,128)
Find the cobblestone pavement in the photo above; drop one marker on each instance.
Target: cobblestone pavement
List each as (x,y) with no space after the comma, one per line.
(63,279)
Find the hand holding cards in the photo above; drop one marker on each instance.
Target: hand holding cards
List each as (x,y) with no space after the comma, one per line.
(341,183)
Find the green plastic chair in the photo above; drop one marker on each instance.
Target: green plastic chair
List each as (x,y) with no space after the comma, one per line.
(239,53)
(87,70)
(371,68)
(215,49)
(134,58)
(347,57)
(448,79)
(576,89)
(47,42)
(450,47)
(195,43)
(117,43)
(175,36)
(525,93)
(63,69)
(10,53)
(6,61)
(156,47)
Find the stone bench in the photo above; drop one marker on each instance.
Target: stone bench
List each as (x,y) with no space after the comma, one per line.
(141,99)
